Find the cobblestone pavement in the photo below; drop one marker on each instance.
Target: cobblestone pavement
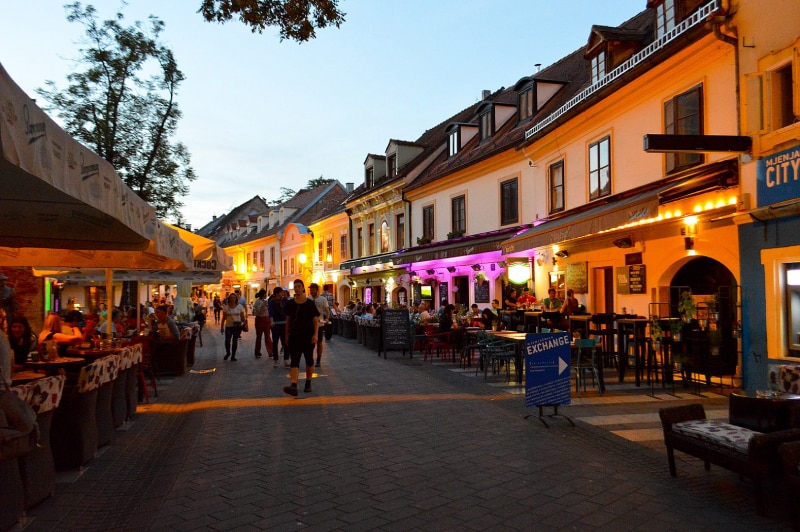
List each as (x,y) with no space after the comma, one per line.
(393,444)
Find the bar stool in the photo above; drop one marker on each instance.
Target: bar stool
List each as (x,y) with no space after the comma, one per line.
(603,329)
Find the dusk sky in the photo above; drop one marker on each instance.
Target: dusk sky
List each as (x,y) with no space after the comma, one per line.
(261,114)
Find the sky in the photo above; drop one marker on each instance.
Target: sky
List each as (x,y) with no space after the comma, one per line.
(260,113)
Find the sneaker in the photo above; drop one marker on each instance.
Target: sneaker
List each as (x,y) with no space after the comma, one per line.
(307,389)
(291,390)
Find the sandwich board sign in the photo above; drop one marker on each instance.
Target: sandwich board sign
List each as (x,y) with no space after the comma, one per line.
(547,367)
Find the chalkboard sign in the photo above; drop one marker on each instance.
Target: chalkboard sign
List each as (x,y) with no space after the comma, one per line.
(444,290)
(395,330)
(481,291)
(637,279)
(577,277)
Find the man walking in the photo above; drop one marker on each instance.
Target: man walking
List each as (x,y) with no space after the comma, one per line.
(263,325)
(324,310)
(277,313)
(302,329)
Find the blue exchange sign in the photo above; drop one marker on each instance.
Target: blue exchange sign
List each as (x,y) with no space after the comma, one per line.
(778,177)
(547,359)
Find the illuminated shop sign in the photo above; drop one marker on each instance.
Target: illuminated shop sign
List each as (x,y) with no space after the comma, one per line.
(778,177)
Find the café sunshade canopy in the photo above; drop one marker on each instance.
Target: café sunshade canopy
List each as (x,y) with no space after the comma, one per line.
(55,192)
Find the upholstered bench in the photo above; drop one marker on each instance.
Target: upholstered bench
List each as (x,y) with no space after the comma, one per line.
(747,452)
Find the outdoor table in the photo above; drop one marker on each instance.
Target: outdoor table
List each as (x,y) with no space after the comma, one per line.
(51,367)
(22,377)
(519,339)
(90,355)
(636,328)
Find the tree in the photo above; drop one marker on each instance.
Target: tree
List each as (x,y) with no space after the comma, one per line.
(127,120)
(314,183)
(296,19)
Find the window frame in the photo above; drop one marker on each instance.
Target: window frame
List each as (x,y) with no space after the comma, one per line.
(598,66)
(391,165)
(343,246)
(369,177)
(458,214)
(400,231)
(554,188)
(360,242)
(328,250)
(486,124)
(525,103)
(428,222)
(453,142)
(666,17)
(596,168)
(508,204)
(371,239)
(676,119)
(385,246)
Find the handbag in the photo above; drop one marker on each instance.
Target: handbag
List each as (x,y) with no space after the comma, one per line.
(18,428)
(245,328)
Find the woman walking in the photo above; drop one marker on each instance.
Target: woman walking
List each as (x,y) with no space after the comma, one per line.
(233,316)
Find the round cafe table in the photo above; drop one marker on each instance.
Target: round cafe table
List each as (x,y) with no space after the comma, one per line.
(51,367)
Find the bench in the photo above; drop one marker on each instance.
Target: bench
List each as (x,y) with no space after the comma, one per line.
(742,450)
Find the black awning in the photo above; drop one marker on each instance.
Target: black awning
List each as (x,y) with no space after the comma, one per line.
(462,247)
(372,260)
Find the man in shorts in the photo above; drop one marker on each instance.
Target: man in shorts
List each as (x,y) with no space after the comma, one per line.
(324,310)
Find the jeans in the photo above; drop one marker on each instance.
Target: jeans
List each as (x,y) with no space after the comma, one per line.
(263,328)
(232,335)
(278,330)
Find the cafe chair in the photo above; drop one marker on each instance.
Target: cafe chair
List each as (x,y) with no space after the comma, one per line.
(103,415)
(439,341)
(496,354)
(169,357)
(583,360)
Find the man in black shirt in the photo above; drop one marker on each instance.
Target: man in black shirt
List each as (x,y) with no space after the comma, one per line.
(302,328)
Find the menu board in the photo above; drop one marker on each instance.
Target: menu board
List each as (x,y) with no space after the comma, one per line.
(577,277)
(395,330)
(444,290)
(637,282)
(481,291)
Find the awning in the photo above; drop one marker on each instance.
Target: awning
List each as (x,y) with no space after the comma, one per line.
(56,193)
(208,256)
(600,218)
(372,260)
(461,247)
(630,207)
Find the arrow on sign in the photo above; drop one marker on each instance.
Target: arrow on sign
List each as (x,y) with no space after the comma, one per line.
(562,365)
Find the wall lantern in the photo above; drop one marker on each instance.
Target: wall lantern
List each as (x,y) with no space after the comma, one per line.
(563,254)
(476,267)
(624,242)
(431,272)
(451,269)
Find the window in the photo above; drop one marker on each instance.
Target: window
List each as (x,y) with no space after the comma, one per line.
(371,242)
(291,266)
(781,110)
(683,115)
(320,255)
(556,185)
(509,202)
(360,242)
(598,67)
(247,256)
(369,177)
(600,168)
(452,142)
(261,260)
(272,256)
(328,250)
(343,247)
(459,214)
(427,222)
(665,17)
(391,165)
(384,236)
(285,269)
(400,231)
(486,124)
(525,103)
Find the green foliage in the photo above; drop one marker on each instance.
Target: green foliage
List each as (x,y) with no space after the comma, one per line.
(296,20)
(656,333)
(686,305)
(127,119)
(318,182)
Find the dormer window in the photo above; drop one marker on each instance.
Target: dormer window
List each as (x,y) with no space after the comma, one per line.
(525,103)
(665,17)
(391,165)
(486,124)
(598,66)
(369,177)
(453,142)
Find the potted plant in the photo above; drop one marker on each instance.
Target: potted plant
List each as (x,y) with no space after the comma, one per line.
(656,333)
(687,307)
(454,234)
(713,306)
(422,240)
(675,328)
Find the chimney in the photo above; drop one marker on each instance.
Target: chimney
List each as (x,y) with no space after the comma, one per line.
(213,217)
(189,227)
(486,93)
(348,187)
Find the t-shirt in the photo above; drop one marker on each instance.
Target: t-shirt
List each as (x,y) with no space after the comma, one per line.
(260,308)
(301,319)
(322,306)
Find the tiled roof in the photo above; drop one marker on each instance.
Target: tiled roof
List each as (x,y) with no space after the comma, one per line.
(215,229)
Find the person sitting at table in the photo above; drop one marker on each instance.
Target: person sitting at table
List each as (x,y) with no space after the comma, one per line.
(551,303)
(526,300)
(166,327)
(446,319)
(489,319)
(53,330)
(570,305)
(117,324)
(424,315)
(476,320)
(368,313)
(22,339)
(510,302)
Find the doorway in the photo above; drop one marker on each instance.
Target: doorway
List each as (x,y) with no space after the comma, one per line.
(461,289)
(603,288)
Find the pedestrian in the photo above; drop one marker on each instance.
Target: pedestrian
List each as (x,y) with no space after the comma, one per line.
(233,316)
(217,304)
(277,313)
(302,330)
(324,309)
(263,325)
(329,324)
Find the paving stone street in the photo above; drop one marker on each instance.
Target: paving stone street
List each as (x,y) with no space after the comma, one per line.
(396,444)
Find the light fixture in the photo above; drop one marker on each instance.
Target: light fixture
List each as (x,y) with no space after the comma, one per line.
(502,264)
(476,267)
(624,242)
(519,272)
(451,269)
(431,272)
(563,254)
